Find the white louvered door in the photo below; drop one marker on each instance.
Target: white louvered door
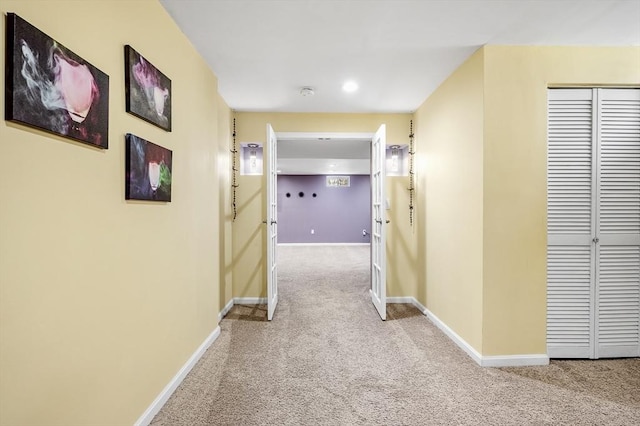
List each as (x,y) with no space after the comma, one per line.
(570,224)
(618,250)
(593,221)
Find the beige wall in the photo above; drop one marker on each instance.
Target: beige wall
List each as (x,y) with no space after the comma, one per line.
(449,137)
(482,188)
(248,239)
(103,300)
(225,202)
(515,146)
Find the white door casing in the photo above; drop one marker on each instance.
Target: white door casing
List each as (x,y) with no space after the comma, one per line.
(272,222)
(378,223)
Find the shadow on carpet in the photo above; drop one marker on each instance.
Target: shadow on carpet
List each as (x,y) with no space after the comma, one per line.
(248,313)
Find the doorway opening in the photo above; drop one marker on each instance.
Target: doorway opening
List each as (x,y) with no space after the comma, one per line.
(321,167)
(324,190)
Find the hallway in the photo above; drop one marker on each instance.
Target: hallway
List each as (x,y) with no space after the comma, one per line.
(326,358)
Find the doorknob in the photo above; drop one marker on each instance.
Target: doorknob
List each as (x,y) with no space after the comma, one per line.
(273,222)
(596,240)
(378,221)
(388,221)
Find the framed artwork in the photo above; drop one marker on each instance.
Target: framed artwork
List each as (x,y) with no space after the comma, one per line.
(147,90)
(338,181)
(49,87)
(147,169)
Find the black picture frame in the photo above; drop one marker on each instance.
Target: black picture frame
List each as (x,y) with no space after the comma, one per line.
(147,90)
(148,170)
(49,87)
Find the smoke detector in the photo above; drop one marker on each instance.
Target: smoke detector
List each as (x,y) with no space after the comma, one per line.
(307,91)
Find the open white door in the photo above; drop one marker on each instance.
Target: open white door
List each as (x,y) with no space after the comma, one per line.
(378,223)
(272,222)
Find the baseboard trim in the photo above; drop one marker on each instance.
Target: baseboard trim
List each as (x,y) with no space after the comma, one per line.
(323,244)
(514,360)
(481,360)
(462,344)
(225,310)
(408,300)
(420,306)
(249,300)
(164,396)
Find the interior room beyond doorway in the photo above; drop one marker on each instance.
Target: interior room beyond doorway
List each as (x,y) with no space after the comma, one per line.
(324,189)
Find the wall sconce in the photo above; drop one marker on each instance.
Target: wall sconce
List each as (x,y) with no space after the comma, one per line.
(253,160)
(395,162)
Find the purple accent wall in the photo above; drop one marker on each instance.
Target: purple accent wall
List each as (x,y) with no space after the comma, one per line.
(337,215)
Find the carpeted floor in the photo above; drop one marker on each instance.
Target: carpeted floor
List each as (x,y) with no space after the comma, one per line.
(328,359)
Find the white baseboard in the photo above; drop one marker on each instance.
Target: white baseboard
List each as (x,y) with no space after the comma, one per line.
(481,360)
(249,300)
(225,310)
(419,306)
(408,300)
(164,396)
(323,244)
(514,360)
(474,354)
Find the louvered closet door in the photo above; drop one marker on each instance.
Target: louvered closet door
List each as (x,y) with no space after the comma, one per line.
(593,253)
(570,221)
(618,249)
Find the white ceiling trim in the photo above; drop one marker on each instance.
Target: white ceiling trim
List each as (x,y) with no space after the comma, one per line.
(334,136)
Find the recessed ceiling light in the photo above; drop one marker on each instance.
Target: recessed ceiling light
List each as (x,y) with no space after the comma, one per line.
(350,86)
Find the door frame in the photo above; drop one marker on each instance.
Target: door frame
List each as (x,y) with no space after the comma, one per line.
(351,136)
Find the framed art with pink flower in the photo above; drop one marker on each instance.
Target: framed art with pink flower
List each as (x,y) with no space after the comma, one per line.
(50,88)
(147,90)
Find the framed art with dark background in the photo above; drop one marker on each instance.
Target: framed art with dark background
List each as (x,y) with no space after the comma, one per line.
(49,87)
(148,169)
(147,90)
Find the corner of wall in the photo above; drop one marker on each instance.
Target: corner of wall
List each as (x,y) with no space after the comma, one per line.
(225,162)
(450,192)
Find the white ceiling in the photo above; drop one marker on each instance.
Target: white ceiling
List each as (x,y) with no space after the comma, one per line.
(398,51)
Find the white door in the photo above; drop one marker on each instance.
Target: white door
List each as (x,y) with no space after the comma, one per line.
(593,255)
(378,223)
(272,222)
(570,224)
(617,322)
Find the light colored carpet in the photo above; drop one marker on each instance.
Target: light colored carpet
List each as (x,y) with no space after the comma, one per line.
(328,359)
